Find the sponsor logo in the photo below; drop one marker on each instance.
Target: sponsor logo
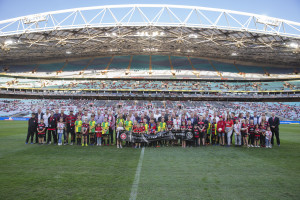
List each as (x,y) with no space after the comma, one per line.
(123,136)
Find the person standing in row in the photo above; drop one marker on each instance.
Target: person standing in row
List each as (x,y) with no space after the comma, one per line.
(52,128)
(78,125)
(60,130)
(92,126)
(237,133)
(221,130)
(39,115)
(112,125)
(46,117)
(85,131)
(32,125)
(41,128)
(274,124)
(70,124)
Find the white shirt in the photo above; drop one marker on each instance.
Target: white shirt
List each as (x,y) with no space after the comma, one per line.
(268,134)
(255,120)
(177,123)
(39,117)
(84,117)
(217,119)
(237,128)
(60,127)
(156,116)
(45,117)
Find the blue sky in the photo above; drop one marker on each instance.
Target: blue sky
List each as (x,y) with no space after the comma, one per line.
(285,9)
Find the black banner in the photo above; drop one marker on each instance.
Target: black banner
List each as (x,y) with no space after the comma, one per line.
(147,138)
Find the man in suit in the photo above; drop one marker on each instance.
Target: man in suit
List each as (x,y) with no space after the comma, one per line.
(274,124)
(255,118)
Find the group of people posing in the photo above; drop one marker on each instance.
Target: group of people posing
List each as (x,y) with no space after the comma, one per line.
(102,128)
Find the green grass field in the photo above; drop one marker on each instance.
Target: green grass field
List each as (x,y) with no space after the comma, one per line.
(214,172)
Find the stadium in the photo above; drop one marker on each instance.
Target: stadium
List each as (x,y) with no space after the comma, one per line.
(149,60)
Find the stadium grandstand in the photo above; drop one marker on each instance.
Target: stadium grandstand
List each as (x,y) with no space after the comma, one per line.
(154,52)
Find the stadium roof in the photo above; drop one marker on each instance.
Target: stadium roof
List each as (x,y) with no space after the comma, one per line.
(150,29)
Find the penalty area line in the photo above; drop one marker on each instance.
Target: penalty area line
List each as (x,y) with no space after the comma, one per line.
(136,181)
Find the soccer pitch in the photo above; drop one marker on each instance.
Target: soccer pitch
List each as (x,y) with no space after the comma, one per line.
(214,172)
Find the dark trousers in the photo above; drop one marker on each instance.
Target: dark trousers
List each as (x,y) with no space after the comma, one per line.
(36,137)
(213,138)
(111,133)
(208,139)
(54,135)
(196,142)
(262,140)
(45,134)
(276,133)
(251,137)
(71,130)
(30,134)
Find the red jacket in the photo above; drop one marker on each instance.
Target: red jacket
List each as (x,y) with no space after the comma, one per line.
(221,124)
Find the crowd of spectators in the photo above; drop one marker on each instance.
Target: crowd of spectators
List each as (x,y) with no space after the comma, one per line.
(9,107)
(148,85)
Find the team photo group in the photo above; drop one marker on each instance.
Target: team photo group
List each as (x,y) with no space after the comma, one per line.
(106,128)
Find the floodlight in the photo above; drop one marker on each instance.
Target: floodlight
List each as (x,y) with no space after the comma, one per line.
(193,36)
(294,45)
(8,42)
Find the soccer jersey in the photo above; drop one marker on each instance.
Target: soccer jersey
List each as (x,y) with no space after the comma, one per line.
(257,132)
(221,124)
(169,125)
(152,127)
(189,127)
(142,129)
(135,129)
(264,126)
(92,125)
(162,126)
(244,126)
(40,127)
(182,127)
(85,127)
(196,132)
(146,127)
(201,124)
(229,123)
(128,125)
(251,128)
(70,119)
(214,128)
(78,125)
(119,120)
(105,127)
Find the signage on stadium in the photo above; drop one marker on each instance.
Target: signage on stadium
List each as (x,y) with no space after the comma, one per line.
(14,118)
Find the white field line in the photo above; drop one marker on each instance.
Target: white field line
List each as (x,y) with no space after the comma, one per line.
(136,181)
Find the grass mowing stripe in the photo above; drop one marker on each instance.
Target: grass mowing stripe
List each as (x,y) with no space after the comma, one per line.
(136,181)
